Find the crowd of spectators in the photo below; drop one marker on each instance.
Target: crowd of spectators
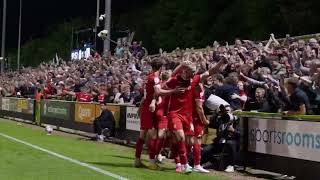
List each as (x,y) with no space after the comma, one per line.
(264,77)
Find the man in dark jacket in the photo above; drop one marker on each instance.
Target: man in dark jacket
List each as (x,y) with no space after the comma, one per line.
(105,122)
(228,89)
(299,103)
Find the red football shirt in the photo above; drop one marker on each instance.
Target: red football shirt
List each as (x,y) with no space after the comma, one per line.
(101,98)
(48,90)
(182,103)
(151,81)
(83,97)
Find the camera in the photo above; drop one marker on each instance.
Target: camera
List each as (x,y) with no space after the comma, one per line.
(224,120)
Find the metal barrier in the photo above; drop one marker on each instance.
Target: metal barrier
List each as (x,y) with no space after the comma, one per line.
(17,108)
(288,145)
(80,116)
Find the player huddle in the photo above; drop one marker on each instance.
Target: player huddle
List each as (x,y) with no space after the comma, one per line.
(174,104)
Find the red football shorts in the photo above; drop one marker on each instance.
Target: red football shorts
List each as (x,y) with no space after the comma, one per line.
(162,120)
(146,119)
(180,122)
(198,128)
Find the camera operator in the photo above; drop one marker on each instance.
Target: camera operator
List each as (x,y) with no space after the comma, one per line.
(227,140)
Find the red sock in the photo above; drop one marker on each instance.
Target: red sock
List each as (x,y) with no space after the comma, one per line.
(182,152)
(152,148)
(139,147)
(188,150)
(197,154)
(165,143)
(159,145)
(175,154)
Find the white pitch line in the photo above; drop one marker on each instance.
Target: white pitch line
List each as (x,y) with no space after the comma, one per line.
(107,173)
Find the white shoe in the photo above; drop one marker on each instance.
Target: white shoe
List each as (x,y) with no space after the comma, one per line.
(186,169)
(200,169)
(101,138)
(230,169)
(188,166)
(160,158)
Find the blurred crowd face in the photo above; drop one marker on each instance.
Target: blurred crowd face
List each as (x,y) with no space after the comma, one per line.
(307,64)
(216,81)
(240,86)
(209,81)
(102,88)
(259,94)
(250,63)
(85,89)
(115,90)
(290,88)
(255,54)
(301,44)
(238,43)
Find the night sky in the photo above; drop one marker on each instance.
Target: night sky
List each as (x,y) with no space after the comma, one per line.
(38,15)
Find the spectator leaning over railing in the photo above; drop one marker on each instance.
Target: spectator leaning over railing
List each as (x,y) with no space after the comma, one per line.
(298,101)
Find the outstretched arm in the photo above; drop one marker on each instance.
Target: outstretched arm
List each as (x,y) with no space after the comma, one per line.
(217,67)
(301,111)
(167,92)
(274,39)
(252,81)
(266,48)
(213,70)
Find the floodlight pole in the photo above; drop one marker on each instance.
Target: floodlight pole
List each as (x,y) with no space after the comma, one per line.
(19,38)
(3,44)
(97,24)
(107,24)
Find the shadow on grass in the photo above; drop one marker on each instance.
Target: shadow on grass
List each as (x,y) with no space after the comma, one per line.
(113,164)
(125,165)
(258,175)
(122,157)
(126,157)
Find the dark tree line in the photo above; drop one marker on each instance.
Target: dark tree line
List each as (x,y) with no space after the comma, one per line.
(188,23)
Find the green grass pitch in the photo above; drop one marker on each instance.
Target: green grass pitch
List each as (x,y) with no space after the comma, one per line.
(21,162)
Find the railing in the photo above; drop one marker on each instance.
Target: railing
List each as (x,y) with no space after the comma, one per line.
(71,115)
(285,144)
